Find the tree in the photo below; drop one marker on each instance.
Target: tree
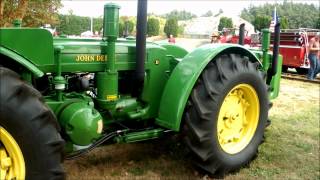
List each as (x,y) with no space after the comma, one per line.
(284,24)
(32,13)
(97,24)
(318,23)
(153,26)
(225,22)
(179,15)
(207,14)
(171,27)
(261,22)
(128,23)
(73,25)
(181,29)
(121,29)
(131,26)
(126,26)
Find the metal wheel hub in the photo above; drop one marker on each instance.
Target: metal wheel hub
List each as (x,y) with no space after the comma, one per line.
(12,165)
(238,118)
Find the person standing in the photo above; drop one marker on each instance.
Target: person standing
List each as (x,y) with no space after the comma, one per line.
(171,39)
(314,50)
(215,37)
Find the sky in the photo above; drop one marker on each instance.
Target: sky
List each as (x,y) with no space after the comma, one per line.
(94,8)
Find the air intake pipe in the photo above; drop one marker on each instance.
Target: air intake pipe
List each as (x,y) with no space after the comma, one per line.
(107,81)
(141,41)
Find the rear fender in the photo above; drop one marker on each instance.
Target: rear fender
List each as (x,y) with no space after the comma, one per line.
(11,55)
(184,77)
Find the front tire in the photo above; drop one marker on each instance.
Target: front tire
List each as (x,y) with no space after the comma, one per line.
(226,114)
(29,138)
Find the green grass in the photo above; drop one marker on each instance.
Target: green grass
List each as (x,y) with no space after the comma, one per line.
(291,149)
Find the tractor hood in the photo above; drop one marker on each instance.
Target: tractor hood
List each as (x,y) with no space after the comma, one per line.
(37,46)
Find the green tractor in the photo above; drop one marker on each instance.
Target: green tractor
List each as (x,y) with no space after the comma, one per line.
(61,97)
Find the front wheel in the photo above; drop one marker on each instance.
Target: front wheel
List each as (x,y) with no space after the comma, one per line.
(30,145)
(226,114)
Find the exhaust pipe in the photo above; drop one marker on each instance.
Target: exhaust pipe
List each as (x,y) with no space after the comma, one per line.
(276,43)
(275,54)
(141,41)
(241,34)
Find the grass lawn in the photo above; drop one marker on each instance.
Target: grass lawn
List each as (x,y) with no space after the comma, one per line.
(291,150)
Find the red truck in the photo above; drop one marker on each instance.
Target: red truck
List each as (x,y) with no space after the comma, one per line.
(293,47)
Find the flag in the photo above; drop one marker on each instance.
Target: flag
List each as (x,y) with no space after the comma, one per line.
(274,20)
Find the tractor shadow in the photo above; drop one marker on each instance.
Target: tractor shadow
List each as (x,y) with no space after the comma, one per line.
(161,158)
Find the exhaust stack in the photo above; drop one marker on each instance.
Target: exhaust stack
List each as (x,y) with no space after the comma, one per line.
(275,55)
(241,34)
(141,41)
(276,43)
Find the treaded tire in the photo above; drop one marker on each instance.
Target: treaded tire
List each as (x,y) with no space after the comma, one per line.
(33,126)
(201,114)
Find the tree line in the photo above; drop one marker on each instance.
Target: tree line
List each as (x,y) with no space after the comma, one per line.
(291,15)
(75,25)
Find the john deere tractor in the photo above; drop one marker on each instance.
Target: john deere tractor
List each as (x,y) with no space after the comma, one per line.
(62,97)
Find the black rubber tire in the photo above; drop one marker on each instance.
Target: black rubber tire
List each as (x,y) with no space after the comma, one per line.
(302,71)
(33,126)
(201,114)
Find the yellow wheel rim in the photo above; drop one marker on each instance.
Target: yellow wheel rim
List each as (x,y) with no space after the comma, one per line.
(12,164)
(238,118)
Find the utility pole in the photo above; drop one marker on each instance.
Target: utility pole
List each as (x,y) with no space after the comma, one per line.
(91,25)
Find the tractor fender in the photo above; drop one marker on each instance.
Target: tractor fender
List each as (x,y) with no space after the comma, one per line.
(21,60)
(184,77)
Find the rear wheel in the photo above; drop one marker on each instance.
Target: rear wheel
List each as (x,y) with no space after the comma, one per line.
(226,114)
(30,145)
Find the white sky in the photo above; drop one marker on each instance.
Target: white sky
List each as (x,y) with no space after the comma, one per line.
(94,8)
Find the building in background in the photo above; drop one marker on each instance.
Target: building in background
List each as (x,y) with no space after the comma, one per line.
(203,27)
